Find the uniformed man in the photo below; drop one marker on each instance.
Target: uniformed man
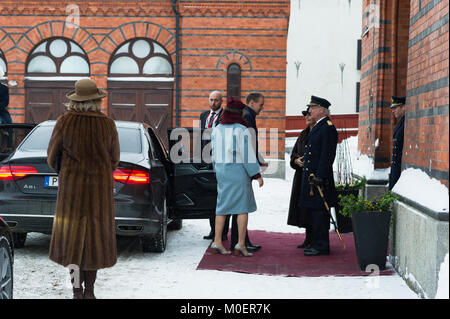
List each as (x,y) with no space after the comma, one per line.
(320,151)
(398,110)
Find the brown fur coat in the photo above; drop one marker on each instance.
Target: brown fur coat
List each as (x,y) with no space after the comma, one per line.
(84,226)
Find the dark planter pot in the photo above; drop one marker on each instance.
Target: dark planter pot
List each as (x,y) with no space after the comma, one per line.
(371,234)
(344,223)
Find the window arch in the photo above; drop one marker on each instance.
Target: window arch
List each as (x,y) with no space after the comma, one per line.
(3,62)
(234,80)
(141,57)
(58,56)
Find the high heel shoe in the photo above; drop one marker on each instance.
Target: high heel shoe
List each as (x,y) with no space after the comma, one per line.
(239,250)
(216,249)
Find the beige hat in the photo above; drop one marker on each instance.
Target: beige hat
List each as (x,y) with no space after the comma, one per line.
(85,90)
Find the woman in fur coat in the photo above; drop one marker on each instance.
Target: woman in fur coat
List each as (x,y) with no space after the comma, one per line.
(84,150)
(299,216)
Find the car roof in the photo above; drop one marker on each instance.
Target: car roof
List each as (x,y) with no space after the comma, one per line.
(122,124)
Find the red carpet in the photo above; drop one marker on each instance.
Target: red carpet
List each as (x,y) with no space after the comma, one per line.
(279,255)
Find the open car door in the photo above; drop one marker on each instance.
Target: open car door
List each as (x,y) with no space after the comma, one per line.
(194,185)
(11,135)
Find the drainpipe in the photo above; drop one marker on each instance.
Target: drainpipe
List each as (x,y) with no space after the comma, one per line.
(177,63)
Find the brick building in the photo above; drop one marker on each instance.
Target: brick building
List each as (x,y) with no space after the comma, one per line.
(158,59)
(405,51)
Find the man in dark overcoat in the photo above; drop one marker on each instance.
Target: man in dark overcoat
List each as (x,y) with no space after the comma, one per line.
(320,151)
(398,110)
(5,117)
(208,120)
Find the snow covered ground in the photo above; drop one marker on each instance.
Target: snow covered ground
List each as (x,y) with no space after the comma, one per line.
(173,273)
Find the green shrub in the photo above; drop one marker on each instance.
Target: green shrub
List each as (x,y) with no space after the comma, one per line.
(351,204)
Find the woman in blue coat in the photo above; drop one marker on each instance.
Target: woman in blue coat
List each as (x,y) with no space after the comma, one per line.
(235,165)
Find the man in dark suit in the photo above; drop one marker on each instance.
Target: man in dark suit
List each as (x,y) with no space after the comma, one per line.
(398,110)
(5,117)
(208,120)
(320,151)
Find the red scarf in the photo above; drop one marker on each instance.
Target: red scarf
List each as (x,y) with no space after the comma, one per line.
(232,118)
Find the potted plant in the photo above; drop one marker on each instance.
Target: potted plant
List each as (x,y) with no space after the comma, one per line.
(344,189)
(371,222)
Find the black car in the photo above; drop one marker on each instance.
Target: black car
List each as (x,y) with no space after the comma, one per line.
(151,192)
(6,261)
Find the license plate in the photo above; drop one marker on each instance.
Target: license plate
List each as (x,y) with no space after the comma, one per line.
(51,181)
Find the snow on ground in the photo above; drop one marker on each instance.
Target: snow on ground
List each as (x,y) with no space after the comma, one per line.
(173,273)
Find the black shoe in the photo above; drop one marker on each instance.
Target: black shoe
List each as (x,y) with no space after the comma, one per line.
(315,252)
(209,237)
(252,248)
(304,245)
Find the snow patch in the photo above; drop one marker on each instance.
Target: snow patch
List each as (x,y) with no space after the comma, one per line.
(442,291)
(363,165)
(431,193)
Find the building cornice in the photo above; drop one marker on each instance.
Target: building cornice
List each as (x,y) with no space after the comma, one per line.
(145,8)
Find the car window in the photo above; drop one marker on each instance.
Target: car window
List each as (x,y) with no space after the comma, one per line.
(129,139)
(157,145)
(38,139)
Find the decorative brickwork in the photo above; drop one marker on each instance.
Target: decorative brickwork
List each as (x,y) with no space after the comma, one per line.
(212,35)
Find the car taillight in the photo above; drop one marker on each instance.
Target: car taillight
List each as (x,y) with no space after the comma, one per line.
(15,172)
(131,176)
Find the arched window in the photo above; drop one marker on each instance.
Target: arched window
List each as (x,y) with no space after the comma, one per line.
(234,81)
(58,56)
(3,62)
(141,57)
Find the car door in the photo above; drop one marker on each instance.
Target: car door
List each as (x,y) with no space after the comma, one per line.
(11,135)
(194,184)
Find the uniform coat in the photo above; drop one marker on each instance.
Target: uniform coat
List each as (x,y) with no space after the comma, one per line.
(84,227)
(397,151)
(298,216)
(320,151)
(235,164)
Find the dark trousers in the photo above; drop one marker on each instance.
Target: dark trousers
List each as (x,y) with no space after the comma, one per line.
(235,233)
(320,227)
(226,226)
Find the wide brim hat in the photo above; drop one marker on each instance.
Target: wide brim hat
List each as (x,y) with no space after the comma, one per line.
(397,101)
(318,101)
(85,90)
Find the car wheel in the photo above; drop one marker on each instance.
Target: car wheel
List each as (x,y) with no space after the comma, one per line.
(157,244)
(176,224)
(19,239)
(6,269)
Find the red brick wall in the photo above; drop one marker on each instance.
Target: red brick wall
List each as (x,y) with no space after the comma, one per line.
(407,55)
(346,125)
(213,35)
(426,127)
(383,74)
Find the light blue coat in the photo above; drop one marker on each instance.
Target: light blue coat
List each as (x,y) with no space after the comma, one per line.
(234,161)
